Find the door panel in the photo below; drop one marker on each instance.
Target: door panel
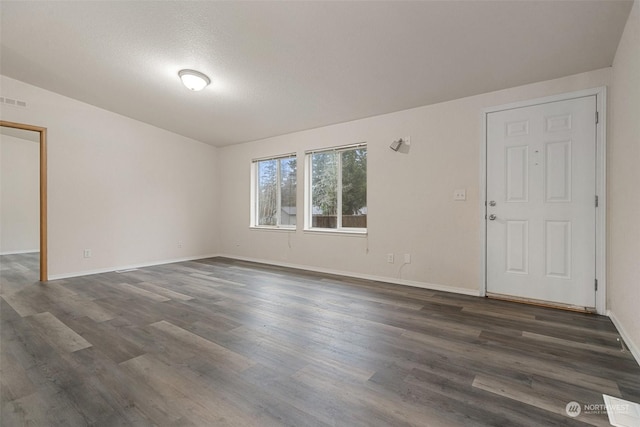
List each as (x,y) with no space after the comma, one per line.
(541,176)
(517,174)
(517,247)
(558,171)
(557,249)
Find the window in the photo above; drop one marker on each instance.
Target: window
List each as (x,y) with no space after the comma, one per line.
(337,189)
(274,192)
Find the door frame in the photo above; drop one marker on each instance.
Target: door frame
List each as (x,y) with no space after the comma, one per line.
(43,191)
(601,163)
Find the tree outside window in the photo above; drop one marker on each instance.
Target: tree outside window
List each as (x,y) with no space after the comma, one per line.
(275,190)
(339,188)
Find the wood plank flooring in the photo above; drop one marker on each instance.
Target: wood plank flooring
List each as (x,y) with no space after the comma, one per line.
(222,342)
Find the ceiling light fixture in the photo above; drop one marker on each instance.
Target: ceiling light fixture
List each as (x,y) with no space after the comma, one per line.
(194,80)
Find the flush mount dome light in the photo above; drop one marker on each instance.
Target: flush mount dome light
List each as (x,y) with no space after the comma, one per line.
(194,80)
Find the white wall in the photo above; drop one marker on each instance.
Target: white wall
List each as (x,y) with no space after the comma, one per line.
(624,183)
(124,189)
(410,196)
(19,195)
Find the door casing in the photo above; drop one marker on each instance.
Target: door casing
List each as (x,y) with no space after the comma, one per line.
(601,132)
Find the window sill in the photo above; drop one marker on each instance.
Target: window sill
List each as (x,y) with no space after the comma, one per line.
(355,233)
(265,228)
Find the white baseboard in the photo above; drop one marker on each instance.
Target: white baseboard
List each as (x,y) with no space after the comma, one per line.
(633,346)
(126,267)
(24,251)
(423,285)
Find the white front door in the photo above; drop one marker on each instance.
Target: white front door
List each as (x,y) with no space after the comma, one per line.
(541,189)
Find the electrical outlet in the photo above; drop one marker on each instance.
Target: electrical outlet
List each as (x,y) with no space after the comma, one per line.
(406,140)
(87,253)
(460,195)
(407,258)
(390,258)
(180,243)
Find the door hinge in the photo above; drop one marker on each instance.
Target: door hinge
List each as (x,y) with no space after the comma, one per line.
(596,280)
(597,117)
(596,201)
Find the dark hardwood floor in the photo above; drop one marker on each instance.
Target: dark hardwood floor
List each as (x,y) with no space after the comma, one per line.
(222,342)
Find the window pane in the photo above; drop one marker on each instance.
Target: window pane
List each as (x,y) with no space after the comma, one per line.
(267,192)
(354,188)
(288,183)
(324,197)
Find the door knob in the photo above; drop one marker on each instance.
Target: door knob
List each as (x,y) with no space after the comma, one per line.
(492,203)
(492,217)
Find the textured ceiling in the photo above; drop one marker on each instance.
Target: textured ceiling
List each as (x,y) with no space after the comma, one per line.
(278,67)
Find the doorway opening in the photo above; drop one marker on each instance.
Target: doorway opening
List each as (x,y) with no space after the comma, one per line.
(39,134)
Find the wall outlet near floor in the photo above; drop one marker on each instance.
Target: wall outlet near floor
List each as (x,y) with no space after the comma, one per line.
(87,253)
(460,195)
(180,243)
(407,258)
(390,258)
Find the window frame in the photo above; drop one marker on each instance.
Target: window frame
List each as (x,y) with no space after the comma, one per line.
(255,186)
(308,190)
